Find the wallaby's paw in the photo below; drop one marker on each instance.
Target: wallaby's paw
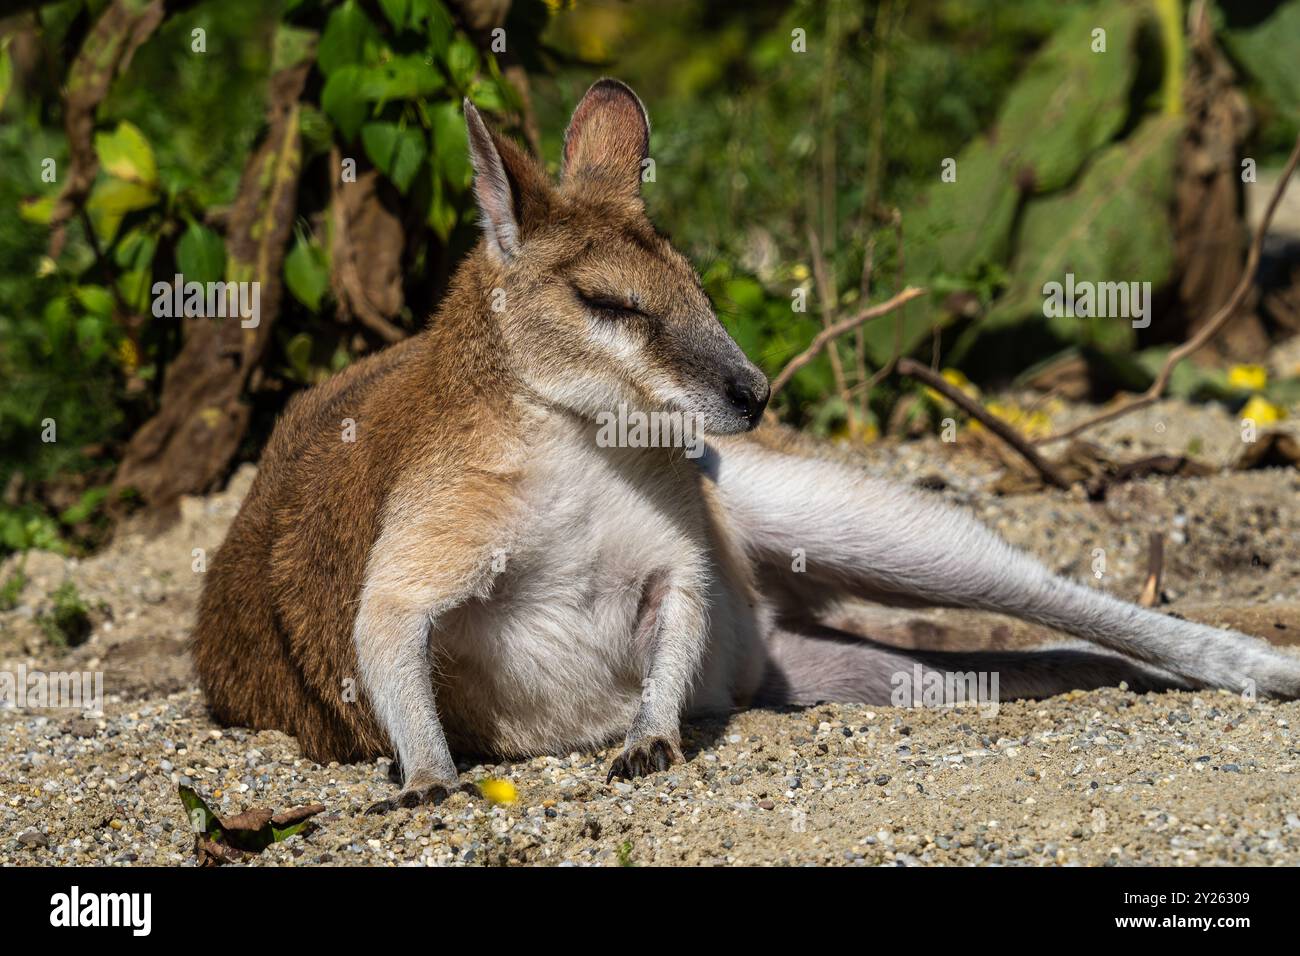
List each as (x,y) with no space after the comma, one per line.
(417,793)
(646,756)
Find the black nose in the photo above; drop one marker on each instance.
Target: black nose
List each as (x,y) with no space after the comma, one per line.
(748,397)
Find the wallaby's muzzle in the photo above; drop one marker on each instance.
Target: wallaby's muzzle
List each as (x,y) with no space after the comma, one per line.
(748,391)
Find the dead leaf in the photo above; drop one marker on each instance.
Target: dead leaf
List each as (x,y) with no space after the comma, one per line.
(221,840)
(1272,449)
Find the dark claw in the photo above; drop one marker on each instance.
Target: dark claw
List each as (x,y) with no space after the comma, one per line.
(432,794)
(652,755)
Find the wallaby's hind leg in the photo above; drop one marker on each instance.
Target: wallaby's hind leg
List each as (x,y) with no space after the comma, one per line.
(822,664)
(869,537)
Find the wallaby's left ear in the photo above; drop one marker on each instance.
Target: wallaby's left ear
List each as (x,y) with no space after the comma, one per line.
(512,192)
(608,137)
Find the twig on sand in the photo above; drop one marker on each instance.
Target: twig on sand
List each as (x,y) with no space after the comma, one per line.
(923,373)
(1155,570)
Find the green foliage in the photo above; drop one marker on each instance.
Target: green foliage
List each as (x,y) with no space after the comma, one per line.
(67,623)
(1264,42)
(79,345)
(306,273)
(1112,223)
(1061,162)
(398,152)
(12,588)
(200,254)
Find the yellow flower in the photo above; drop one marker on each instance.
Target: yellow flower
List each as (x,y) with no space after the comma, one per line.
(800,272)
(128,356)
(499,791)
(956,377)
(1251,378)
(1031,424)
(957,380)
(1261,411)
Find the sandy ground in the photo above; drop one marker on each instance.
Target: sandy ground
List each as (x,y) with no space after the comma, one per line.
(1086,778)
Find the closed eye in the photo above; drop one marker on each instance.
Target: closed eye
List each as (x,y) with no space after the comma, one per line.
(608,306)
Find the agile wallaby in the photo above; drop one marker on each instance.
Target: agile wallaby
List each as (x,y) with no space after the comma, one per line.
(477,571)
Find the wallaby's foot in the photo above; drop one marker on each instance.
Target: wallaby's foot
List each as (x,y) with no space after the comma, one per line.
(644,757)
(420,789)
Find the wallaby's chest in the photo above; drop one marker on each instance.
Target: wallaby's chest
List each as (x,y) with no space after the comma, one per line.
(556,654)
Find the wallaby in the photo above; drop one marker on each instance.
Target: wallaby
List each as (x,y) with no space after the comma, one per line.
(438,553)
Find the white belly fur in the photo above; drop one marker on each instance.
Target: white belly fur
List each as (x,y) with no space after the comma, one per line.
(551,662)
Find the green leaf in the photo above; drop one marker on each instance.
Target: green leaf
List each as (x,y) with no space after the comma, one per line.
(1113,226)
(201,255)
(91,339)
(396,151)
(487,95)
(38,210)
(95,299)
(1070,101)
(135,249)
(351,88)
(317,134)
(462,61)
(399,78)
(439,25)
(111,200)
(441,216)
(397,11)
(956,229)
(298,351)
(451,144)
(341,98)
(201,818)
(348,38)
(306,273)
(1267,50)
(85,506)
(6,72)
(135,287)
(126,154)
(293,45)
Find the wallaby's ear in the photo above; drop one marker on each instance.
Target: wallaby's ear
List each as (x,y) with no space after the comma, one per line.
(511,191)
(608,137)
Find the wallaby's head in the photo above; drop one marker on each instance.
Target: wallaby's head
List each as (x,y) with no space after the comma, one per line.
(594,306)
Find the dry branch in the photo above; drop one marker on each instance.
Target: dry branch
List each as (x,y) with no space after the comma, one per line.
(830,333)
(974,409)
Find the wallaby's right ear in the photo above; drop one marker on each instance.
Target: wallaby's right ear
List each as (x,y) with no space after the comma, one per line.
(510,190)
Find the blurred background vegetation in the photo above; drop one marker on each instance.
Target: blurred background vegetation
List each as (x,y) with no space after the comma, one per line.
(799,149)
